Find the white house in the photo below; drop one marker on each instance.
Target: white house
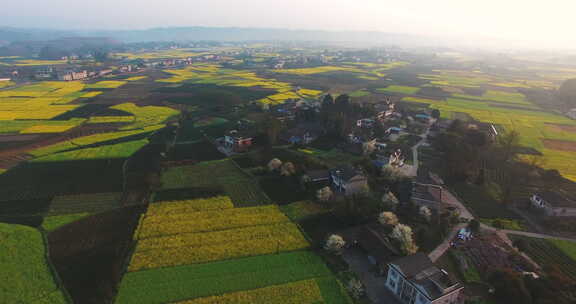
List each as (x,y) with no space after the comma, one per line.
(416,280)
(571,113)
(349,180)
(553,203)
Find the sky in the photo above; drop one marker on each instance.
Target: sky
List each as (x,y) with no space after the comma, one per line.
(549,22)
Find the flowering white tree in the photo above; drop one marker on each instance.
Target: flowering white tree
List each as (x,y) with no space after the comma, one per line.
(287,169)
(403,234)
(274,164)
(369,147)
(426,213)
(390,201)
(356,288)
(388,218)
(324,194)
(334,243)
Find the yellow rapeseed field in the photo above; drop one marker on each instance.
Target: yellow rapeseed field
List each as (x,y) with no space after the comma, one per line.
(299,292)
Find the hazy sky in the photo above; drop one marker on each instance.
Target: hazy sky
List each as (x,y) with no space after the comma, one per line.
(549,21)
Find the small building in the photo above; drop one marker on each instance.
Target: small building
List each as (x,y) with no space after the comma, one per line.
(553,203)
(572,113)
(303,134)
(238,141)
(349,180)
(416,280)
(487,128)
(365,123)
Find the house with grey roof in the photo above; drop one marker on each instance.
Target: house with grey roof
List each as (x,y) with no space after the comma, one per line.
(553,203)
(416,280)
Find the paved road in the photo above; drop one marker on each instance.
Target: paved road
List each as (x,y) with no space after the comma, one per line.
(450,199)
(375,285)
(415,160)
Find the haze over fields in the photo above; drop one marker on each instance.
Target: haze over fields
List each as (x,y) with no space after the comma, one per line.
(513,22)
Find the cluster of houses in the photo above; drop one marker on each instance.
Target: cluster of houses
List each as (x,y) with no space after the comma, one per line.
(412,279)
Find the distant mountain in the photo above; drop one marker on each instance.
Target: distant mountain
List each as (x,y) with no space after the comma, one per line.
(216,34)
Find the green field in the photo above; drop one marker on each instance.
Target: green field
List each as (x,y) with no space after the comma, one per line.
(532,125)
(548,253)
(171,284)
(146,116)
(220,174)
(84,203)
(121,150)
(80,142)
(51,223)
(302,210)
(25,275)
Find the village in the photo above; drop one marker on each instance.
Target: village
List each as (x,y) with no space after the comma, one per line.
(406,234)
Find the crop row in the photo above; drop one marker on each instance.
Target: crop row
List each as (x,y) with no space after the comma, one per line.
(300,292)
(205,221)
(186,206)
(213,246)
(170,284)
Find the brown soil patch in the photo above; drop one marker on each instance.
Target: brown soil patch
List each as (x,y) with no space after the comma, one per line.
(559,127)
(562,145)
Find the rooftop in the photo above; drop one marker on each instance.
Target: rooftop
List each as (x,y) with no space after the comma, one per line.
(419,269)
(556,199)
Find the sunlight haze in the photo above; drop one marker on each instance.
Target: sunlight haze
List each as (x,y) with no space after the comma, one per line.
(547,22)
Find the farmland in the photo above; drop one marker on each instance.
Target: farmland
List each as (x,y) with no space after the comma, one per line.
(84,203)
(533,126)
(120,150)
(107,84)
(545,252)
(56,221)
(167,284)
(220,174)
(145,116)
(214,74)
(43,100)
(400,89)
(80,142)
(25,276)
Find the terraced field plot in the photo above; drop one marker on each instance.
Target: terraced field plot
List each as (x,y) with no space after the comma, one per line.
(84,203)
(547,253)
(400,89)
(43,100)
(25,275)
(176,233)
(17,126)
(170,284)
(220,174)
(146,116)
(80,142)
(106,84)
(120,150)
(51,223)
(214,74)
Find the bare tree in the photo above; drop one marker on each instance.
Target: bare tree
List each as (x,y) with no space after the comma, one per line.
(356,288)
